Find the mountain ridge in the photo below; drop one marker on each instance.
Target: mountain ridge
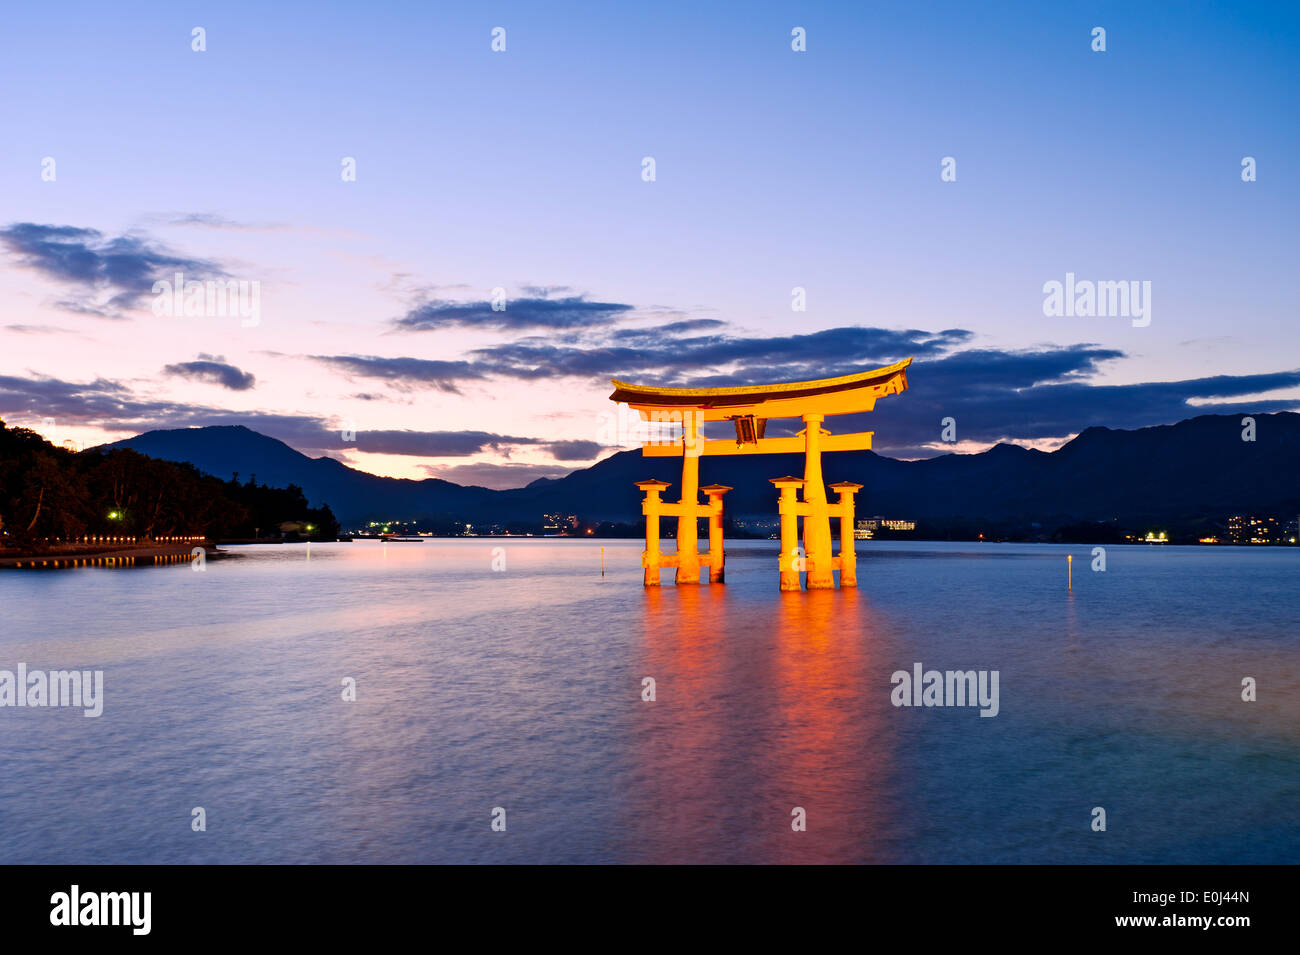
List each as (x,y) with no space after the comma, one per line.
(1196,468)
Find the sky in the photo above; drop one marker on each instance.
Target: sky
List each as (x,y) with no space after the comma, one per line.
(921,171)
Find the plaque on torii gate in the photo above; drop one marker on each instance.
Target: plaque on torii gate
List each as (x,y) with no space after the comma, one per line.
(749,407)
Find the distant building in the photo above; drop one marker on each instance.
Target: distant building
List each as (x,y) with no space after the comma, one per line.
(866,529)
(898,525)
(559,523)
(1249,529)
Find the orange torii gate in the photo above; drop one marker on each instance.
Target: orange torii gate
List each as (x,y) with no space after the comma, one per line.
(749,408)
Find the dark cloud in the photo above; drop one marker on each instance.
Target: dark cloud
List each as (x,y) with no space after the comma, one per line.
(213,370)
(663,352)
(1022,395)
(574,450)
(651,335)
(114,407)
(109,274)
(43,397)
(405,373)
(544,291)
(430,444)
(994,394)
(443,444)
(1009,396)
(520,313)
(675,360)
(326,436)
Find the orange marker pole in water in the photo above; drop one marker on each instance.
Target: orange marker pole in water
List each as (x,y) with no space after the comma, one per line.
(602,562)
(1069,570)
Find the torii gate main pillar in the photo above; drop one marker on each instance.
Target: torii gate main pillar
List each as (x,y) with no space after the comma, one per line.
(817,523)
(688,557)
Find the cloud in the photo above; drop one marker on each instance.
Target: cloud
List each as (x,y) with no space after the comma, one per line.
(452,444)
(676,360)
(1027,395)
(209,220)
(206,219)
(108,275)
(213,221)
(212,369)
(43,397)
(1037,394)
(574,450)
(573,312)
(114,407)
(671,328)
(429,444)
(1031,395)
(37,330)
(405,373)
(1045,394)
(544,291)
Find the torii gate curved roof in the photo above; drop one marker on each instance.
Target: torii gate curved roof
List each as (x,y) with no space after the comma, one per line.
(847,394)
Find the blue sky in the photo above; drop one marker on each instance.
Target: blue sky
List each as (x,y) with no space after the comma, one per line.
(522,170)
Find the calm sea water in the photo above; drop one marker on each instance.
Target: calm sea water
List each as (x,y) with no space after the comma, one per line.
(521,688)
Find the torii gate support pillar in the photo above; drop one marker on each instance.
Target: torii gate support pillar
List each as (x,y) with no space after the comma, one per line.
(848,559)
(716,557)
(652,508)
(789,508)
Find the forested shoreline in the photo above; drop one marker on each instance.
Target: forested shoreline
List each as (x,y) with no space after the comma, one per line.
(52,496)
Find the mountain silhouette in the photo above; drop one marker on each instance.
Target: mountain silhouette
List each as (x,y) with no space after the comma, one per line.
(1197,469)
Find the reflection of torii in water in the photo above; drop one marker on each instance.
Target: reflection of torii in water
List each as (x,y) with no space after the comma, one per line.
(750,407)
